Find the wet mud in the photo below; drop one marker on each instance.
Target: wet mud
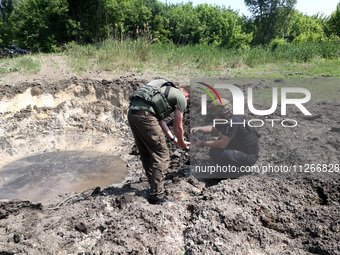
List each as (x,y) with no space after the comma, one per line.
(44,176)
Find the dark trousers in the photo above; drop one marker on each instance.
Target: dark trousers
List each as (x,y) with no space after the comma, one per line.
(232,157)
(153,150)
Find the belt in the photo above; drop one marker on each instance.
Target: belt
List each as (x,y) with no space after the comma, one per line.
(140,113)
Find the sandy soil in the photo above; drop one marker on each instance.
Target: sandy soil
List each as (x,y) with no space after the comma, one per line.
(255,214)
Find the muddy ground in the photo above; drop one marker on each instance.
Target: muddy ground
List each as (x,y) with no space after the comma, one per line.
(256,214)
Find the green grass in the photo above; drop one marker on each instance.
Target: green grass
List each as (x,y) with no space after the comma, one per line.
(288,60)
(110,55)
(21,64)
(140,55)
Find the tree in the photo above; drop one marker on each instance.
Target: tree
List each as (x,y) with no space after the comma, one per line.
(90,17)
(127,16)
(233,35)
(42,25)
(333,24)
(158,28)
(270,17)
(6,10)
(212,21)
(158,19)
(184,24)
(305,28)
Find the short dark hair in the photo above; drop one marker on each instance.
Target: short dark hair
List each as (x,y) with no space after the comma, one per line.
(187,88)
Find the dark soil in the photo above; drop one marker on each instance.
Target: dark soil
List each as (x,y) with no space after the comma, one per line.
(256,214)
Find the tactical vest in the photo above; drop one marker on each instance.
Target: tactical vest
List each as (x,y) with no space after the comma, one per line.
(151,94)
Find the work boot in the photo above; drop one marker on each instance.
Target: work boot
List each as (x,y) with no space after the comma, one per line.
(96,192)
(160,201)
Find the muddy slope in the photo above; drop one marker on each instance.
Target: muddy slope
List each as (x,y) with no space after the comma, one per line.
(251,215)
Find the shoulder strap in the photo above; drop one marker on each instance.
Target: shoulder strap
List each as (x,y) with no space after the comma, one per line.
(167,90)
(160,83)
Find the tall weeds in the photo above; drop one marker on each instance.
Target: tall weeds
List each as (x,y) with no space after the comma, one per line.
(142,53)
(117,53)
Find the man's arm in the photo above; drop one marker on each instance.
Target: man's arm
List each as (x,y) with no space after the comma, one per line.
(219,144)
(178,129)
(204,130)
(167,131)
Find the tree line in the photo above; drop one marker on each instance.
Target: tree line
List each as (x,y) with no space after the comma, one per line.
(45,25)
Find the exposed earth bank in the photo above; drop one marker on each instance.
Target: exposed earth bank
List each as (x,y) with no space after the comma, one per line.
(257,214)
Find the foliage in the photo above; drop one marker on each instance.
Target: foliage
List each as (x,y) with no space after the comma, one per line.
(233,36)
(184,24)
(334,23)
(306,28)
(45,25)
(277,43)
(139,55)
(89,16)
(124,17)
(41,25)
(6,10)
(271,18)
(212,20)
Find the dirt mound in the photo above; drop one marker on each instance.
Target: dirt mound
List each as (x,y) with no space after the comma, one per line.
(251,215)
(244,216)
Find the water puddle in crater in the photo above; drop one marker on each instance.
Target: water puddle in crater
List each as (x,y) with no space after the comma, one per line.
(44,176)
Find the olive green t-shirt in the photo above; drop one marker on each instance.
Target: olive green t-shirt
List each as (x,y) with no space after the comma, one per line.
(175,98)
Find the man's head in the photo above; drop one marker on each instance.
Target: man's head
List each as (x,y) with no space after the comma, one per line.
(186,91)
(221,110)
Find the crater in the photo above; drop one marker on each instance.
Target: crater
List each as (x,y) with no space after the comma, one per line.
(44,176)
(62,137)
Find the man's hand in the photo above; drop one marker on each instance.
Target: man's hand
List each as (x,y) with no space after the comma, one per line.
(204,130)
(194,130)
(178,129)
(184,145)
(197,142)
